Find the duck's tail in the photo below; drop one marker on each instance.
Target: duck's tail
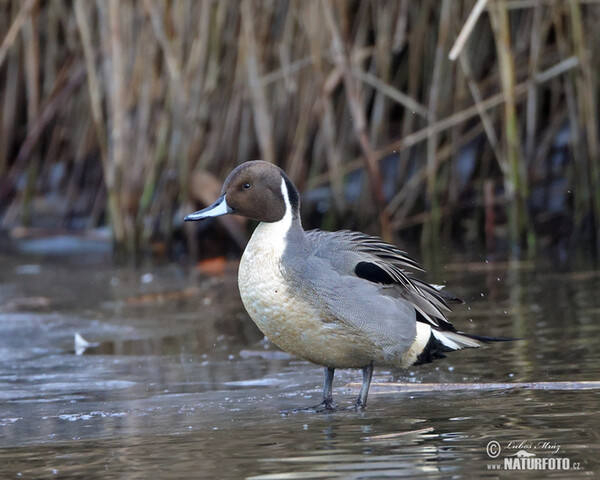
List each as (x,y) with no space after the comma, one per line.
(436,343)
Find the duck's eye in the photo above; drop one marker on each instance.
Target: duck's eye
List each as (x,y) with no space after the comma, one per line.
(246,186)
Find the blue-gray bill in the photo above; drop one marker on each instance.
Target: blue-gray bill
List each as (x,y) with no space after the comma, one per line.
(217,209)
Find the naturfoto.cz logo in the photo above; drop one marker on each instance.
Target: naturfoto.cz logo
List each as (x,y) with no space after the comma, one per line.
(526,455)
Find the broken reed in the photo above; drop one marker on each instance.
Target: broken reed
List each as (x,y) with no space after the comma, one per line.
(114,105)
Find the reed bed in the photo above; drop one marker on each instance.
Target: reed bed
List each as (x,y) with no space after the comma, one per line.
(126,113)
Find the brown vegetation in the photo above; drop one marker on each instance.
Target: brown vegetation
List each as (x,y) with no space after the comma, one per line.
(108,107)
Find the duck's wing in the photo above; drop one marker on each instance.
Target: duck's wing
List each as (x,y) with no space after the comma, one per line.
(361,312)
(373,260)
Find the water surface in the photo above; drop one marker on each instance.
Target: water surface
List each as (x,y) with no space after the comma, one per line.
(181,384)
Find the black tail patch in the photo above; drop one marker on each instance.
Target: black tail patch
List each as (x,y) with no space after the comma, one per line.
(432,351)
(435,349)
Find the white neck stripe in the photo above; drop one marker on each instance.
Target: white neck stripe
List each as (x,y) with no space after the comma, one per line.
(286,199)
(271,236)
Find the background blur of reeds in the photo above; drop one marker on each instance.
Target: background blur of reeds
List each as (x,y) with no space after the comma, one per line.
(130,113)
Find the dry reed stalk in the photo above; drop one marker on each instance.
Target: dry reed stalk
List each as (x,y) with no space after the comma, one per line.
(514,181)
(9,99)
(432,195)
(63,88)
(465,32)
(92,78)
(20,19)
(328,137)
(32,87)
(32,64)
(179,89)
(486,121)
(417,42)
(359,121)
(173,68)
(292,83)
(532,104)
(579,174)
(262,118)
(113,166)
(391,92)
(383,17)
(85,134)
(588,108)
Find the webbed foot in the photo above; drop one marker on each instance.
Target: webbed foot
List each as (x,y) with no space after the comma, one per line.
(357,407)
(326,406)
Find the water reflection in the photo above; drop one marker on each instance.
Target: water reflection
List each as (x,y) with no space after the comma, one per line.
(408,438)
(181,384)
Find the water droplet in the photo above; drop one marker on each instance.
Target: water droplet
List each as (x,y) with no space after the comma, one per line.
(147,278)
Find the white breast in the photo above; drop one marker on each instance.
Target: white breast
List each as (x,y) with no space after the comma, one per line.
(261,283)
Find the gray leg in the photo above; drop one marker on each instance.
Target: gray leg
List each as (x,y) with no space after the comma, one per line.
(361,401)
(328,385)
(327,403)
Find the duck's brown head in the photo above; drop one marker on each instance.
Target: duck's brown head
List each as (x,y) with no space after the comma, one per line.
(257,190)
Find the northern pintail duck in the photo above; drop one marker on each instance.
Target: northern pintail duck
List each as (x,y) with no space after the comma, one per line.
(339,299)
